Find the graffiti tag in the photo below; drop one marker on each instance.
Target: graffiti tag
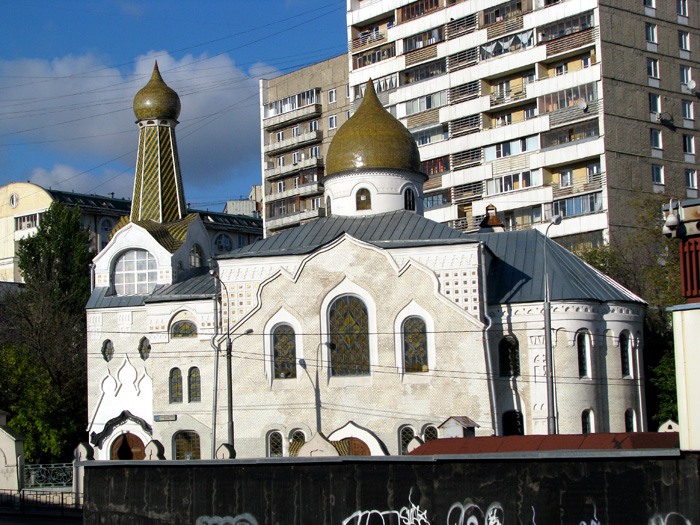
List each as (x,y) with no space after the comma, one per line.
(412,515)
(240,519)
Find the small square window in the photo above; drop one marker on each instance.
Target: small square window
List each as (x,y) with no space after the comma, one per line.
(332,122)
(657,174)
(652,68)
(683,40)
(689,144)
(654,103)
(691,179)
(688,109)
(331,96)
(651,33)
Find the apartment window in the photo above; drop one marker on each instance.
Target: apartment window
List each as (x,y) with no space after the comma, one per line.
(652,68)
(313,125)
(279,137)
(688,109)
(314,152)
(347,115)
(435,166)
(650,3)
(656,139)
(691,179)
(280,161)
(424,71)
(432,134)
(657,174)
(295,182)
(280,186)
(569,97)
(585,62)
(503,150)
(530,112)
(373,56)
(331,96)
(295,131)
(300,100)
(296,157)
(433,36)
(333,122)
(685,75)
(434,200)
(502,12)
(689,144)
(684,40)
(593,170)
(347,91)
(561,69)
(682,6)
(513,182)
(26,222)
(654,103)
(651,33)
(418,9)
(579,205)
(507,44)
(574,133)
(566,26)
(566,178)
(434,100)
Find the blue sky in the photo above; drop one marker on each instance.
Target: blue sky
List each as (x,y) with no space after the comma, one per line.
(69,70)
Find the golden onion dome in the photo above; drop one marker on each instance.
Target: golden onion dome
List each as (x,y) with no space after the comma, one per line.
(156,99)
(372,138)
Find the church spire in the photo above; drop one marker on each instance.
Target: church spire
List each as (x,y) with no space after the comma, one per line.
(158,192)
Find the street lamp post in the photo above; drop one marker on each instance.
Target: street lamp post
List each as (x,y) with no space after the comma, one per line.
(229,383)
(317,390)
(551,409)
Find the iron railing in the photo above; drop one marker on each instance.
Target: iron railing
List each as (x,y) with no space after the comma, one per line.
(47,503)
(48,475)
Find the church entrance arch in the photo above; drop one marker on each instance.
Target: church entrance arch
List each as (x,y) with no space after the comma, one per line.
(127,446)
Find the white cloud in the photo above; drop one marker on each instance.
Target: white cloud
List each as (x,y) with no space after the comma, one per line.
(77,107)
(68,178)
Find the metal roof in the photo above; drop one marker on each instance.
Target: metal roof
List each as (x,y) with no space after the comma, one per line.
(492,444)
(94,203)
(201,286)
(387,230)
(517,273)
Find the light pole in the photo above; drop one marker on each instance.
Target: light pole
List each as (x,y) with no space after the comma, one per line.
(551,415)
(229,382)
(317,390)
(215,346)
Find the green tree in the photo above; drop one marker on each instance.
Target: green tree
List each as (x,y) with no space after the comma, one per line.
(648,264)
(43,360)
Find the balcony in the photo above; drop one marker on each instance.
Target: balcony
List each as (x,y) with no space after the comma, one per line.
(501,97)
(467,224)
(300,191)
(366,39)
(593,183)
(573,41)
(293,143)
(512,23)
(277,223)
(274,172)
(292,117)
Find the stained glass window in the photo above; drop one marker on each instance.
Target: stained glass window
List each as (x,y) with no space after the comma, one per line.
(184,329)
(284,351)
(349,331)
(296,441)
(186,445)
(108,350)
(509,356)
(274,445)
(194,385)
(430,433)
(144,348)
(406,434)
(363,199)
(175,386)
(415,345)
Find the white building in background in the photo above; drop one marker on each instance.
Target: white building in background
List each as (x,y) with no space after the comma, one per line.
(368,327)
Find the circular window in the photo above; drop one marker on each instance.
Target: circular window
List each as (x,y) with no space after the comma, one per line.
(144,348)
(108,350)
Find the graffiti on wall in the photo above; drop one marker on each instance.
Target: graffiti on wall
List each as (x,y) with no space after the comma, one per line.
(410,515)
(240,519)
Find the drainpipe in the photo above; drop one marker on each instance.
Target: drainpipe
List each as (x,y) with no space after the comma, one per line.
(92,277)
(216,376)
(639,359)
(487,345)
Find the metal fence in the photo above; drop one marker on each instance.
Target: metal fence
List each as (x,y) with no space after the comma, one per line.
(41,502)
(48,475)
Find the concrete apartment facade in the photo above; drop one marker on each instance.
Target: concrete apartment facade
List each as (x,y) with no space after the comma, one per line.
(300,113)
(538,107)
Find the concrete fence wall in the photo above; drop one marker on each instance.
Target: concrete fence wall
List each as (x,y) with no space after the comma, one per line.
(531,488)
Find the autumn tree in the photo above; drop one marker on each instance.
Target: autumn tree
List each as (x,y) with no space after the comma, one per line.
(43,375)
(648,264)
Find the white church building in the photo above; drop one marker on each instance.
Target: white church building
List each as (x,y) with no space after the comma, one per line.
(367,330)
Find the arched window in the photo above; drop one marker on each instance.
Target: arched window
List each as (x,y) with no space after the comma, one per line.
(175,386)
(363,199)
(296,441)
(513,423)
(135,272)
(583,349)
(274,445)
(144,348)
(415,345)
(328,206)
(107,350)
(587,421)
(184,329)
(430,433)
(630,421)
(222,243)
(284,351)
(625,354)
(194,385)
(105,231)
(406,434)
(409,199)
(509,356)
(349,331)
(186,445)
(196,256)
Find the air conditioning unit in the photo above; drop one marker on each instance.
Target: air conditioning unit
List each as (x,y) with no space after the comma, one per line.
(657,117)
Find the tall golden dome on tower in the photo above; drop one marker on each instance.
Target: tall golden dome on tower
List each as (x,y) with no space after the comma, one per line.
(372,138)
(156,99)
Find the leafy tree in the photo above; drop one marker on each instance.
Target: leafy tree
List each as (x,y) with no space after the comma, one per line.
(648,264)
(43,375)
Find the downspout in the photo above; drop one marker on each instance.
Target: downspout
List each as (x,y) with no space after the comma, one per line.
(639,359)
(487,345)
(92,277)
(216,376)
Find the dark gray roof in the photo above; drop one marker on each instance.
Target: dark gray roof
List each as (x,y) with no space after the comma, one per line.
(517,273)
(202,286)
(100,298)
(387,230)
